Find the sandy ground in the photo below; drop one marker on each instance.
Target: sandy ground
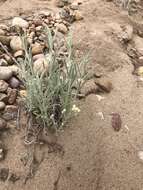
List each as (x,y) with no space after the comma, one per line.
(96,157)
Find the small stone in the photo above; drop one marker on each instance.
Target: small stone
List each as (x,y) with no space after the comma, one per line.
(62,28)
(14,82)
(10,112)
(78,15)
(5,40)
(3,97)
(3,62)
(127,33)
(3,125)
(16,43)
(138,42)
(19,53)
(40,66)
(104,84)
(5,73)
(74,6)
(4,173)
(17,21)
(140,71)
(3,86)
(23,93)
(12,95)
(116,121)
(37,49)
(2,106)
(89,88)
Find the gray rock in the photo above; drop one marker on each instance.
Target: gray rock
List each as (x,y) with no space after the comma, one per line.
(5,73)
(18,21)
(3,86)
(14,82)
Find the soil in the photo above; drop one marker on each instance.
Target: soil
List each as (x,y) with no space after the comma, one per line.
(94,156)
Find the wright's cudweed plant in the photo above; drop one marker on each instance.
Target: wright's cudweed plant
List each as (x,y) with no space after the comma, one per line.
(50,98)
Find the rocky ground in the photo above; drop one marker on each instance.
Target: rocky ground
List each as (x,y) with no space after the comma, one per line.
(102,147)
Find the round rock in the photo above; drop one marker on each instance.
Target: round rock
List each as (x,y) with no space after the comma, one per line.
(16,43)
(5,73)
(2,106)
(3,86)
(14,82)
(18,21)
(40,66)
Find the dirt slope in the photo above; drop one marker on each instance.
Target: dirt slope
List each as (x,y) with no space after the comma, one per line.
(96,157)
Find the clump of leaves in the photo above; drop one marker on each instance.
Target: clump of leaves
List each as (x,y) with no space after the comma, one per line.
(50,97)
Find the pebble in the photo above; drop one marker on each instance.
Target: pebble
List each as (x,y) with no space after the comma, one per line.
(14,82)
(104,84)
(3,124)
(40,66)
(78,15)
(16,43)
(138,42)
(5,73)
(3,97)
(127,33)
(37,49)
(89,88)
(140,71)
(62,28)
(3,86)
(2,106)
(18,21)
(12,95)
(19,53)
(74,6)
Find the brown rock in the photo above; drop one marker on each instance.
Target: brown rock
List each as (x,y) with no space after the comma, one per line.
(78,15)
(89,88)
(3,86)
(12,95)
(62,28)
(116,121)
(37,49)
(104,84)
